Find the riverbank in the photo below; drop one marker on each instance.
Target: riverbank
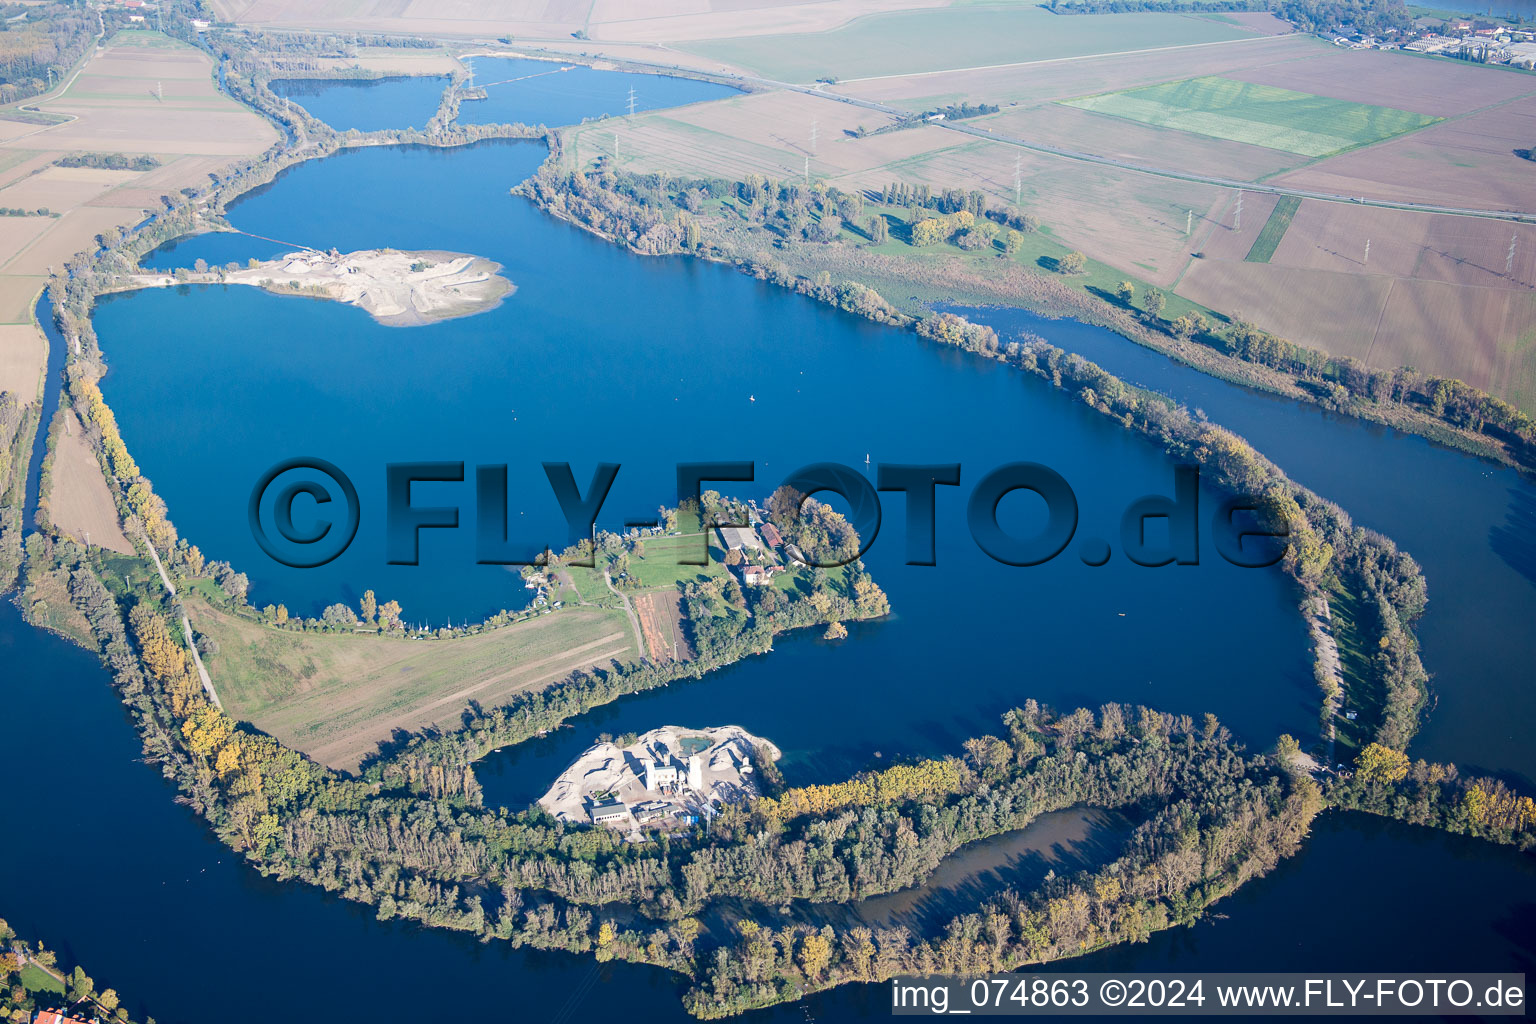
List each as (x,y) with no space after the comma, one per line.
(398,289)
(782,230)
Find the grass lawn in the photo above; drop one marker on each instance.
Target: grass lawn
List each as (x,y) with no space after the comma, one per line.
(35,979)
(591,588)
(1261,115)
(336,696)
(911,42)
(1361,693)
(1274,229)
(661,565)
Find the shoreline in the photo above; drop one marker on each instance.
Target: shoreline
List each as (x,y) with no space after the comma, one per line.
(397,288)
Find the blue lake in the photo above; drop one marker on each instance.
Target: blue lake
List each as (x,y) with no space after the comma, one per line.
(369,105)
(1470,523)
(517,90)
(603,356)
(549,93)
(104,867)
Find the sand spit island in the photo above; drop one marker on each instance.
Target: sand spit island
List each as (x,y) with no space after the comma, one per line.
(400,289)
(668,778)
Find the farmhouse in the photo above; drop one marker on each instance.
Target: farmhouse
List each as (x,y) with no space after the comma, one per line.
(770,535)
(759,575)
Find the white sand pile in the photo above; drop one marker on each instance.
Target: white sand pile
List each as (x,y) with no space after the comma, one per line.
(400,289)
(607,772)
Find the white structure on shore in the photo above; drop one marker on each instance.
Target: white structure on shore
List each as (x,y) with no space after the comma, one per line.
(669,777)
(662,775)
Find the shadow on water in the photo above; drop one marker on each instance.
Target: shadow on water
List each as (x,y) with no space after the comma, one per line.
(1515,540)
(1060,843)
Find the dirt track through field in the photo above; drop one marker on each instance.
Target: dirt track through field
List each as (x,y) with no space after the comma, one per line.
(349,746)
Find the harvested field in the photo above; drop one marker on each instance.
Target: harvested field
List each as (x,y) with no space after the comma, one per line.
(1484,336)
(17,297)
(59,188)
(662,20)
(337,696)
(1085,131)
(79,502)
(661,620)
(766,133)
(1335,312)
(951,38)
(1058,79)
(15,129)
(16,164)
(1260,115)
(1466,162)
(23,352)
(117,109)
(67,235)
(1221,240)
(1431,247)
(1435,88)
(16,233)
(174,174)
(646,21)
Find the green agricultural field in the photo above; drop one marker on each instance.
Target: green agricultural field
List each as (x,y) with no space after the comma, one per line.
(1260,115)
(914,42)
(1274,230)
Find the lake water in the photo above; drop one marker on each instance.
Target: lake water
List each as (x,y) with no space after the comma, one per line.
(369,105)
(1470,523)
(102,865)
(517,90)
(549,93)
(603,356)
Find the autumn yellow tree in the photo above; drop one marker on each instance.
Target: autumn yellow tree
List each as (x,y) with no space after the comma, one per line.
(814,955)
(1378,763)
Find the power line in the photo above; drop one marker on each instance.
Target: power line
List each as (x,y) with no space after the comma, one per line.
(1509,261)
(631,101)
(813,136)
(1237,218)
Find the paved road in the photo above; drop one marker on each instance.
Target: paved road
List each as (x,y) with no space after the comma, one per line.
(186,629)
